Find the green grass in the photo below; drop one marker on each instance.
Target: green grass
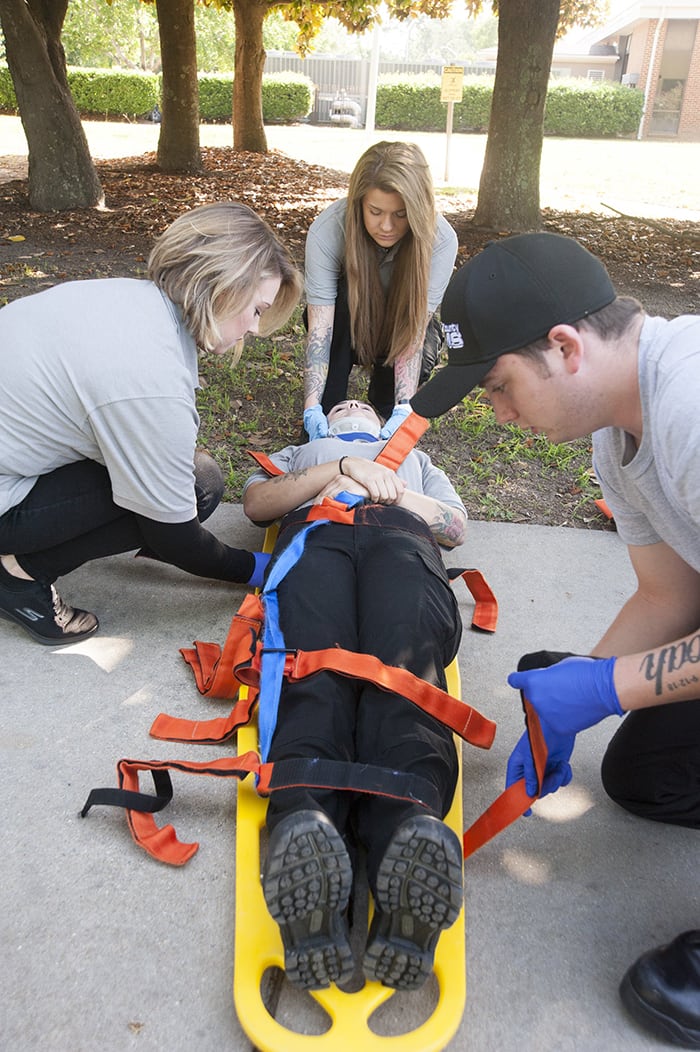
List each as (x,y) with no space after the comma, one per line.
(501,472)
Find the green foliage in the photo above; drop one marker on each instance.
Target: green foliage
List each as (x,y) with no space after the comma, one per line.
(412,103)
(101,35)
(575,108)
(114,93)
(215,96)
(8,99)
(286,96)
(579,108)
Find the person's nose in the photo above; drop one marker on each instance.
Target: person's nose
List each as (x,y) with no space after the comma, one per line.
(386,223)
(503,411)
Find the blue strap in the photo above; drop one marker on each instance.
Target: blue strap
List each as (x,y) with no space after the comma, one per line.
(272,662)
(351,499)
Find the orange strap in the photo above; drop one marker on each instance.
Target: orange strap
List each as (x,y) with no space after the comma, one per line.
(162,843)
(402,441)
(392,455)
(463,719)
(485,616)
(515,800)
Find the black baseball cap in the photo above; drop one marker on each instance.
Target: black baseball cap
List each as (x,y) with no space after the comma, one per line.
(507,296)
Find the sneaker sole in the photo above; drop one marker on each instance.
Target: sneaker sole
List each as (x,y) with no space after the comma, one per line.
(419,893)
(48,641)
(655,1022)
(307,883)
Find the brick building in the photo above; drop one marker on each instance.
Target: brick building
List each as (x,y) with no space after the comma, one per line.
(651,47)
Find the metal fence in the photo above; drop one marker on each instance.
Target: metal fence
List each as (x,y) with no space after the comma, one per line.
(334,76)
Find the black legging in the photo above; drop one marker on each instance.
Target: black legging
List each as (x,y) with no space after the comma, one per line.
(69,518)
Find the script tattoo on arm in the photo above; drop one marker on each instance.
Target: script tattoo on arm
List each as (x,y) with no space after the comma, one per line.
(657,665)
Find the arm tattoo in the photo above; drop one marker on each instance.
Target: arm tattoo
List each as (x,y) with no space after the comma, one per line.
(447,526)
(407,373)
(677,657)
(318,352)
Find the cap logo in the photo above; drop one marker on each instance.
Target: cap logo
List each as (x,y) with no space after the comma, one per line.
(453,336)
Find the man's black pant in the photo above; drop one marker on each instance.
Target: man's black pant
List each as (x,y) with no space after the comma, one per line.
(382,590)
(652,764)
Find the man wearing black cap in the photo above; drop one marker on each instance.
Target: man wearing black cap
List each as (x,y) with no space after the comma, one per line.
(535,320)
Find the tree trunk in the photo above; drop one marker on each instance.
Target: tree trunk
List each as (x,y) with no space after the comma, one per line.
(509,189)
(248,128)
(178,142)
(61,173)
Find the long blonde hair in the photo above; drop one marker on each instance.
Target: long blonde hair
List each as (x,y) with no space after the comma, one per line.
(211,260)
(383,325)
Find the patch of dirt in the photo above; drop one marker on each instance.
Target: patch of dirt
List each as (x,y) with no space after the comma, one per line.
(658,262)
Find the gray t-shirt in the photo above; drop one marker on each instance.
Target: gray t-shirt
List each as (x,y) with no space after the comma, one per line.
(325,255)
(417,470)
(100,370)
(654,491)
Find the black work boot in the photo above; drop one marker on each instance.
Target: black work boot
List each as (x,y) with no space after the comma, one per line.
(39,609)
(662,991)
(307,882)
(418,893)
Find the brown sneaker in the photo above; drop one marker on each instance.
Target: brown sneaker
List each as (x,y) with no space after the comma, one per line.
(39,609)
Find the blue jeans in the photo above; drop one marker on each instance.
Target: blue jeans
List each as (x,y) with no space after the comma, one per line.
(69,518)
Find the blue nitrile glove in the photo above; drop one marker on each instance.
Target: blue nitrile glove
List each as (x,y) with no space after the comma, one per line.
(257,577)
(315,422)
(572,695)
(401,411)
(558,770)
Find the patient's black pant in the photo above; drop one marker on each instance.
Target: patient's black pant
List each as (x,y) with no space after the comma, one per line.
(377,589)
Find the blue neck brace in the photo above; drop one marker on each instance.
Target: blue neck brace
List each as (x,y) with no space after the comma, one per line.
(355,436)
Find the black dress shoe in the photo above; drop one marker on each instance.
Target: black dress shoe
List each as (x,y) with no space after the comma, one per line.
(662,991)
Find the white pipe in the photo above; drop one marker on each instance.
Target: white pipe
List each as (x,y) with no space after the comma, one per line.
(650,71)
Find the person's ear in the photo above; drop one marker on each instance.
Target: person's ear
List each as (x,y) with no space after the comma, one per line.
(570,344)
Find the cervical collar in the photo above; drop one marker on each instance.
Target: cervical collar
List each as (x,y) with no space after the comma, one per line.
(355,427)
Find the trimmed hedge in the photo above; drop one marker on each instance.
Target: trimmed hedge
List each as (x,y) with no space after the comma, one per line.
(286,96)
(574,108)
(126,93)
(131,93)
(412,103)
(8,99)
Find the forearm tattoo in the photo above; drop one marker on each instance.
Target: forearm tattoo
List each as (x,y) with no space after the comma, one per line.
(678,658)
(407,373)
(318,349)
(447,526)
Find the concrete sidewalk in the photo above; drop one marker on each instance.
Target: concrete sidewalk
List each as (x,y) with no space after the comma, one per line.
(105,950)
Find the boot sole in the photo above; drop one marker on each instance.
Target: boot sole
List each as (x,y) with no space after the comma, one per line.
(307,883)
(419,893)
(656,1022)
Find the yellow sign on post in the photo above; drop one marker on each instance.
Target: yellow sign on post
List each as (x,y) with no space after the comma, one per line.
(450,92)
(452,83)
